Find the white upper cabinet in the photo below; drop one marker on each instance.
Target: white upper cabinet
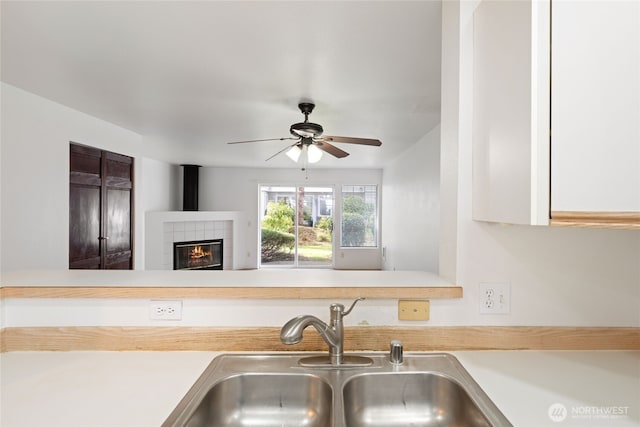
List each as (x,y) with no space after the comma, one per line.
(595,107)
(556,121)
(511,112)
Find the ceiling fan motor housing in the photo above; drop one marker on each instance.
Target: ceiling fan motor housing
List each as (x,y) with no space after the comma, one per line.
(306,130)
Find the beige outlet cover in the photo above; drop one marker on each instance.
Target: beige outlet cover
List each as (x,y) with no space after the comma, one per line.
(413,310)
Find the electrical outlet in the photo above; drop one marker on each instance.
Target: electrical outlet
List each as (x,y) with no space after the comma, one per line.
(413,310)
(165,310)
(495,298)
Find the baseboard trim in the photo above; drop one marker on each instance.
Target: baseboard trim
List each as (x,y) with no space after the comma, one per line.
(359,338)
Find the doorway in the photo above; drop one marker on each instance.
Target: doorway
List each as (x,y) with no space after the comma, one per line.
(296,226)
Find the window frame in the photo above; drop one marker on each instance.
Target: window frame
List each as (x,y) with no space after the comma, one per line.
(376,221)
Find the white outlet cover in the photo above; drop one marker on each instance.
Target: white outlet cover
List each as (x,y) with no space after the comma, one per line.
(165,310)
(494,298)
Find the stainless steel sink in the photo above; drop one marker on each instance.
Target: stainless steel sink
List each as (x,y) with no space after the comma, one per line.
(409,399)
(276,390)
(265,399)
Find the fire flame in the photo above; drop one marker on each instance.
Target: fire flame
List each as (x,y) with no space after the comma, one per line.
(197,252)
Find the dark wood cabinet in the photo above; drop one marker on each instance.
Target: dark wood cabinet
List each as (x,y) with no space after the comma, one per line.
(100,209)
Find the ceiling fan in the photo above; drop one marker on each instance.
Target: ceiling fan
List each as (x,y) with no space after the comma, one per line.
(308,138)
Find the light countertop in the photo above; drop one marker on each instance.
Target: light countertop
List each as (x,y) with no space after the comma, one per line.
(41,389)
(236,278)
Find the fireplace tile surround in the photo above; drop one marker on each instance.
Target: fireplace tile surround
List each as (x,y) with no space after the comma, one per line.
(197,230)
(163,228)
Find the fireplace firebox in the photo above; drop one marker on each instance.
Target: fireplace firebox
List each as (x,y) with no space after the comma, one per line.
(198,255)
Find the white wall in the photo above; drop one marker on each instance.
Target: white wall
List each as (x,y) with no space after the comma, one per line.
(156,189)
(160,185)
(195,312)
(35,177)
(449,113)
(236,189)
(411,207)
(558,276)
(1,299)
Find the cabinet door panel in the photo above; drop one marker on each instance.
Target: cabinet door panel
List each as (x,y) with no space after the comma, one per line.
(595,106)
(100,209)
(511,112)
(118,223)
(119,261)
(84,226)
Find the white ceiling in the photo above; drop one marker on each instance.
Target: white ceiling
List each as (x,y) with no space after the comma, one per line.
(191,76)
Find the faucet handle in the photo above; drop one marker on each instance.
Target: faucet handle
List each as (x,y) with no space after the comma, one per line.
(352,305)
(338,312)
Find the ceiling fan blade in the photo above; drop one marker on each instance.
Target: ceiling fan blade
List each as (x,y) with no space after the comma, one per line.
(331,149)
(262,140)
(349,140)
(284,149)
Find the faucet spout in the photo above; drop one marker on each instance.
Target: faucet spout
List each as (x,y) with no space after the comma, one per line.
(332,334)
(291,332)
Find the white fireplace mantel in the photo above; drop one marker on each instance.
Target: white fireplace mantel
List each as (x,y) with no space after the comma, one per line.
(156,226)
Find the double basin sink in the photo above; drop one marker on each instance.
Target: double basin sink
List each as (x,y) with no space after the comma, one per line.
(275,390)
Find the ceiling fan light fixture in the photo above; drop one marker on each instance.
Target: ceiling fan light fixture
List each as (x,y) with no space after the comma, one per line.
(294,153)
(314,154)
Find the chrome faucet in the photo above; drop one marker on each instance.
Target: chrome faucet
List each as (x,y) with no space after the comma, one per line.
(332,334)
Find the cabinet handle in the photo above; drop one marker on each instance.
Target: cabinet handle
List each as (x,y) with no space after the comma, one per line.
(103,238)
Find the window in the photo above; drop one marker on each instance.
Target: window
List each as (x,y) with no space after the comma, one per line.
(296,226)
(359,223)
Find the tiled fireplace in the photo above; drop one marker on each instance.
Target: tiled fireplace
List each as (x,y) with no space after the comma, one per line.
(198,255)
(188,234)
(163,229)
